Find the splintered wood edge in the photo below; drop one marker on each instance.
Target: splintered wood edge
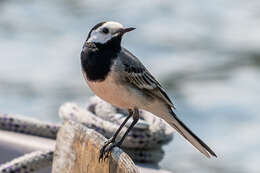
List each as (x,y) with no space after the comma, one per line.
(77,151)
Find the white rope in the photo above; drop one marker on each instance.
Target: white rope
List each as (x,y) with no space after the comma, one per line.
(28,163)
(21,124)
(143,143)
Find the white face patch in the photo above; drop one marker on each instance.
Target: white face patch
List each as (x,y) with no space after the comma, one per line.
(98,35)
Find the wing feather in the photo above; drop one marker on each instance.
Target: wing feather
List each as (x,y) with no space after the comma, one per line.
(136,73)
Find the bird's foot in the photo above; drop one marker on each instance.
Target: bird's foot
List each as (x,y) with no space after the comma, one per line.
(105,150)
(109,149)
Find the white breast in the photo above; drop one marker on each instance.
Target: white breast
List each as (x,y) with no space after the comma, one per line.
(113,92)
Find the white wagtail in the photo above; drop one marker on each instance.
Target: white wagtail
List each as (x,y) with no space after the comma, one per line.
(118,77)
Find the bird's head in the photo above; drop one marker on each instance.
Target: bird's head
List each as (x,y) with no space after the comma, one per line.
(105,32)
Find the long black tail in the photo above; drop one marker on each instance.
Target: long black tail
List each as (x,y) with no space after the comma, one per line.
(180,127)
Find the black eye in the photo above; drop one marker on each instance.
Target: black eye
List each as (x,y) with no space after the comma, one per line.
(105,30)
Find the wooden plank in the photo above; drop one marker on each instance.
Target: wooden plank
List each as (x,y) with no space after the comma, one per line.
(77,151)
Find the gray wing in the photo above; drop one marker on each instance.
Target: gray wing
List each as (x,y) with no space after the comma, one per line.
(136,73)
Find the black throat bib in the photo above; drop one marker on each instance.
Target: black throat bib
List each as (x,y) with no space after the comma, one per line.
(97,59)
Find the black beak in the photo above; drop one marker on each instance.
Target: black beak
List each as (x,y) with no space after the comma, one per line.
(124,30)
(128,29)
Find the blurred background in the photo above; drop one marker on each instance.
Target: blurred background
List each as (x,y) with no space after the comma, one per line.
(205,53)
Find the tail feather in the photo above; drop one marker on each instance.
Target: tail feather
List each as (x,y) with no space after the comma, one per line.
(177,124)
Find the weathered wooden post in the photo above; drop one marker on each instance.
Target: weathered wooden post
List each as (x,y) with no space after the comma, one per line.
(77,151)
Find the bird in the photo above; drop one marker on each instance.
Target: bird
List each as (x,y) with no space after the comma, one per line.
(118,77)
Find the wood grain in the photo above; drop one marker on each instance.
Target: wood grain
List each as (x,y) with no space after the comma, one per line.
(77,151)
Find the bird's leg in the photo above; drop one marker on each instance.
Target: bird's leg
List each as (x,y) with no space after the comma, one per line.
(135,120)
(113,138)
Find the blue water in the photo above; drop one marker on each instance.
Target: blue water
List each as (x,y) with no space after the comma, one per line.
(205,53)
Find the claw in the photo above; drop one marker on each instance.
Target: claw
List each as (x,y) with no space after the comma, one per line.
(110,148)
(103,149)
(104,152)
